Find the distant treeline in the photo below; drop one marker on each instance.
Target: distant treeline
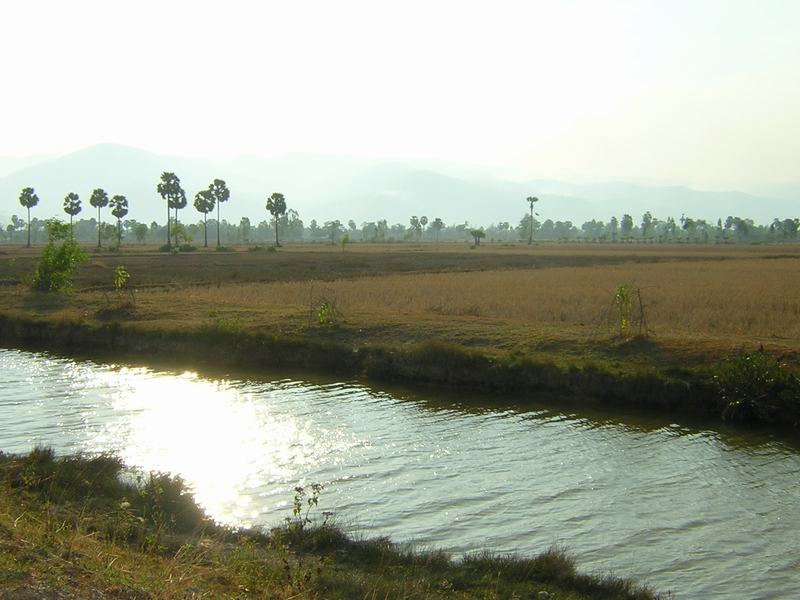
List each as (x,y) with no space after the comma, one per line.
(287,225)
(420,229)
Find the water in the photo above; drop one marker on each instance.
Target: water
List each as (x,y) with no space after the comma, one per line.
(703,513)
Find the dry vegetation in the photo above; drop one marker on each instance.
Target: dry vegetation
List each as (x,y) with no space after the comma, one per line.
(699,300)
(742,298)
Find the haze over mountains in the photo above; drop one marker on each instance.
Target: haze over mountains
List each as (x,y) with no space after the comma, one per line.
(361,189)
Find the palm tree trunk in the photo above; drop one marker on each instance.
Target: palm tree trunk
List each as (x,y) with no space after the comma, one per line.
(530,239)
(276,232)
(99,226)
(169,238)
(29,226)
(205,230)
(218,224)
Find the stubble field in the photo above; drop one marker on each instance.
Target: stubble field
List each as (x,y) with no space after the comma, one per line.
(697,300)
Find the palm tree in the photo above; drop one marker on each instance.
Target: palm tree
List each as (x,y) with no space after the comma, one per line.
(532,200)
(204,203)
(220,193)
(276,205)
(28,199)
(99,199)
(119,206)
(72,206)
(169,188)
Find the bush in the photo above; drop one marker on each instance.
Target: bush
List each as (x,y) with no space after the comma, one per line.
(59,261)
(756,387)
(187,248)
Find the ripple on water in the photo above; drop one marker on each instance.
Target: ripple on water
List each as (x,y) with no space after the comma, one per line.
(700,512)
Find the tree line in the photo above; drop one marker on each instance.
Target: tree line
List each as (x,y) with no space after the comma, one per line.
(286,224)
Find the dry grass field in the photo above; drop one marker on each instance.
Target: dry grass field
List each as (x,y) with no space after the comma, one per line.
(746,297)
(698,300)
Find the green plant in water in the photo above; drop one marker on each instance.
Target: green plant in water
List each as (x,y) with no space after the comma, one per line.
(623,304)
(59,260)
(121,277)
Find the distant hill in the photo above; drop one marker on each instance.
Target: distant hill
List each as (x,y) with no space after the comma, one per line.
(326,187)
(9,164)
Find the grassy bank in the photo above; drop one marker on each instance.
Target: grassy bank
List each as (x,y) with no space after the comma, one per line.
(747,388)
(526,321)
(69,527)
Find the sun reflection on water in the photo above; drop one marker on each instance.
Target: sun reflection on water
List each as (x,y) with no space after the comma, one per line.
(228,445)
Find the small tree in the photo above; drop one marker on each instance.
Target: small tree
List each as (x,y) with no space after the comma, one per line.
(415,226)
(423,221)
(532,200)
(59,261)
(204,203)
(99,199)
(72,206)
(119,208)
(437,226)
(276,206)
(478,235)
(220,192)
(333,228)
(140,231)
(647,224)
(28,199)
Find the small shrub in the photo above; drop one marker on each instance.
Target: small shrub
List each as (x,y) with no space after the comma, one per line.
(165,248)
(255,249)
(187,248)
(756,387)
(165,502)
(304,498)
(327,314)
(121,277)
(223,249)
(59,261)
(623,304)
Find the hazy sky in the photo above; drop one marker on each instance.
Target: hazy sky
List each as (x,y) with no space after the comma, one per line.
(704,92)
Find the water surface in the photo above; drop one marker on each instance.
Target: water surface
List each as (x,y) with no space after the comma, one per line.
(702,512)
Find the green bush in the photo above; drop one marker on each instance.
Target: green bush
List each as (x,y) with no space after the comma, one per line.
(59,260)
(756,387)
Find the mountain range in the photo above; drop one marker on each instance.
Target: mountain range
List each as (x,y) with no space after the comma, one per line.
(362,189)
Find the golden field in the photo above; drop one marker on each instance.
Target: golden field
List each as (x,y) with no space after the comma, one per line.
(697,299)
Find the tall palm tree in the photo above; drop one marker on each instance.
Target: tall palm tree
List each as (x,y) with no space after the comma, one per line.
(99,199)
(532,200)
(204,203)
(72,206)
(119,206)
(220,192)
(276,205)
(28,199)
(170,190)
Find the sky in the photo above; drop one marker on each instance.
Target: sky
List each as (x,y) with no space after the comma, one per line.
(701,92)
